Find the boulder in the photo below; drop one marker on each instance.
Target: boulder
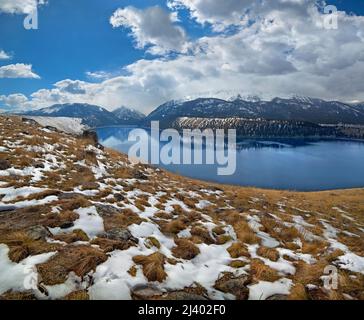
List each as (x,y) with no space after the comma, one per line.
(38,233)
(237,286)
(106,210)
(4,164)
(119,234)
(145,292)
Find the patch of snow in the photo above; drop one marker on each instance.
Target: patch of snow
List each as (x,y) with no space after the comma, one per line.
(68,125)
(12,193)
(351,261)
(19,276)
(89,221)
(264,289)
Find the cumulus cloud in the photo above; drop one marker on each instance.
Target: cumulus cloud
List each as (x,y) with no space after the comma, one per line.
(4,55)
(19,6)
(153,28)
(13,100)
(279,53)
(18,70)
(223,14)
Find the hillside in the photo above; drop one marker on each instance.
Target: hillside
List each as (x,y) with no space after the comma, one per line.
(81,222)
(296,109)
(257,127)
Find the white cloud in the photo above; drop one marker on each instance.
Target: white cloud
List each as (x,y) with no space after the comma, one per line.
(18,70)
(98,75)
(19,6)
(153,28)
(219,14)
(4,55)
(280,53)
(13,100)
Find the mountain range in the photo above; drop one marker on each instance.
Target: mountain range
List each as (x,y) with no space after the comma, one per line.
(298,109)
(91,115)
(312,110)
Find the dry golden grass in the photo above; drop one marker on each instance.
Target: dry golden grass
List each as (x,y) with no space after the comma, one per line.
(185,249)
(244,233)
(77,295)
(21,245)
(237,250)
(14,295)
(75,235)
(314,247)
(282,204)
(173,227)
(261,272)
(309,273)
(298,292)
(125,218)
(269,253)
(153,266)
(79,259)
(202,235)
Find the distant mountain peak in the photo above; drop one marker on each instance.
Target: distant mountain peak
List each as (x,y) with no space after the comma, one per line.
(91,115)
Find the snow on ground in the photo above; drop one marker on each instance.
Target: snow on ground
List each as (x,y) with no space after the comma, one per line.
(19,276)
(68,125)
(264,289)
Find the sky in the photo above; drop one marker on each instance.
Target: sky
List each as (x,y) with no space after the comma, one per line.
(142,53)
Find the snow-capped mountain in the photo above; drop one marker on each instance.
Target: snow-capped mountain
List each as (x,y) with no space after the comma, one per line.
(296,108)
(129,116)
(91,115)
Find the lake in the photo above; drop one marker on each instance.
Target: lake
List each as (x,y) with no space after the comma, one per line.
(289,164)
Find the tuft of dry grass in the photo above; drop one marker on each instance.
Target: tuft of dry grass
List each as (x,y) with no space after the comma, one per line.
(261,271)
(153,266)
(269,253)
(79,259)
(185,249)
(298,292)
(125,218)
(237,250)
(174,226)
(244,233)
(75,235)
(77,295)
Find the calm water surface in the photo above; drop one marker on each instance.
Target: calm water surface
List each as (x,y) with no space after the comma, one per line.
(290,164)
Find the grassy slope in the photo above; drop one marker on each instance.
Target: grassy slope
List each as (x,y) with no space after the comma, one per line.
(257,235)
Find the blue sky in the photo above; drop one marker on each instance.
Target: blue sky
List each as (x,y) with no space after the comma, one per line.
(73,37)
(76,37)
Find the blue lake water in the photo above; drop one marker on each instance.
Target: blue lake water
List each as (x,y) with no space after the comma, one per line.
(291,164)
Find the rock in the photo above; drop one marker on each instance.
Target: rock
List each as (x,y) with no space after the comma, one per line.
(4,164)
(38,233)
(119,234)
(237,286)
(69,195)
(119,197)
(140,175)
(38,165)
(183,295)
(92,135)
(7,208)
(145,292)
(277,297)
(15,295)
(66,225)
(106,210)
